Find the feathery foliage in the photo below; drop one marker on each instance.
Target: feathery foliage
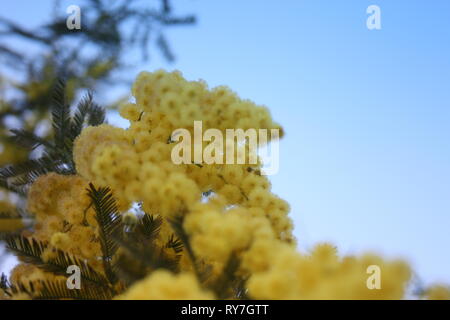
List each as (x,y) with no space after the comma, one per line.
(31,251)
(141,252)
(51,290)
(149,226)
(57,155)
(109,222)
(202,271)
(89,56)
(226,285)
(61,117)
(28,139)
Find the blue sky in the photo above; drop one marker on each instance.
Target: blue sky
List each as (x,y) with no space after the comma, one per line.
(366,160)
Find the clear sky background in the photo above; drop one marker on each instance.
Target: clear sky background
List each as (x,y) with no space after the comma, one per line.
(366,159)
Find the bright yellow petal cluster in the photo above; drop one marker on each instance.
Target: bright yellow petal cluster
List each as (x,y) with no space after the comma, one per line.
(136,163)
(437,292)
(217,232)
(282,273)
(163,285)
(64,216)
(182,102)
(227,210)
(65,220)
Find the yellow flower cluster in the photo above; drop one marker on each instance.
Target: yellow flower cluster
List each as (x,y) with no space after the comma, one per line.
(215,234)
(241,216)
(437,292)
(279,272)
(63,218)
(136,163)
(163,285)
(64,197)
(182,102)
(227,210)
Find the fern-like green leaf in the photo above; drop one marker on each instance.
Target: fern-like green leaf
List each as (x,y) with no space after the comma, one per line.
(109,221)
(19,190)
(29,140)
(58,155)
(60,116)
(202,271)
(149,226)
(147,254)
(175,244)
(26,172)
(57,289)
(97,115)
(79,118)
(225,283)
(30,250)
